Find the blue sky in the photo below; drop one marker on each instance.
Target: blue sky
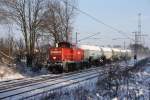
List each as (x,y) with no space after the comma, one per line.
(121,14)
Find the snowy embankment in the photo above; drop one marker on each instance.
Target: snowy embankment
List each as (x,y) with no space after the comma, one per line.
(60,83)
(7,73)
(136,85)
(19,71)
(79,91)
(95,88)
(133,85)
(68,91)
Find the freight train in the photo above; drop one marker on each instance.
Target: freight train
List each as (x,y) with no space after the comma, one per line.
(65,57)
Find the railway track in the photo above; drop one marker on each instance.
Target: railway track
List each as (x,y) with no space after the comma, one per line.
(14,83)
(26,81)
(32,89)
(38,78)
(43,84)
(44,80)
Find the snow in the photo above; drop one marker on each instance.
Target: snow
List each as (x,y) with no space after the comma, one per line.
(7,73)
(138,87)
(40,88)
(140,83)
(115,98)
(11,77)
(20,71)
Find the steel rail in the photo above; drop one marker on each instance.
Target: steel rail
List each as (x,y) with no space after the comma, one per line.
(55,81)
(39,82)
(59,80)
(6,85)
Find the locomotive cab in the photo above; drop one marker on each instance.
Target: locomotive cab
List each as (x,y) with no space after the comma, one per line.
(64,45)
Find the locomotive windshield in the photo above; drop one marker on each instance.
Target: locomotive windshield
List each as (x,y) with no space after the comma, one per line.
(64,45)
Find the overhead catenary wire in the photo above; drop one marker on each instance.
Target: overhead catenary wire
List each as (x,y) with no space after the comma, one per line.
(88,37)
(99,21)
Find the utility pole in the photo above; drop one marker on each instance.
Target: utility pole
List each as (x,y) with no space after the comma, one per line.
(124,44)
(139,29)
(140,36)
(135,46)
(139,32)
(149,90)
(76,38)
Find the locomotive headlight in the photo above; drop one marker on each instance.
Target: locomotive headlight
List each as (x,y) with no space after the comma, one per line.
(54,58)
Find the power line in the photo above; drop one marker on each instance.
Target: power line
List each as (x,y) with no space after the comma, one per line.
(99,21)
(88,37)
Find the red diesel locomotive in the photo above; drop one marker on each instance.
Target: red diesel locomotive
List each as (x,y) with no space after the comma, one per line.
(65,57)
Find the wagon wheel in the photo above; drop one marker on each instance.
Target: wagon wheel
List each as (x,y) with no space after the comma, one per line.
(54,71)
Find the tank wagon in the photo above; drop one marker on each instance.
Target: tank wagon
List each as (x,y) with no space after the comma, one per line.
(116,54)
(92,54)
(107,54)
(66,57)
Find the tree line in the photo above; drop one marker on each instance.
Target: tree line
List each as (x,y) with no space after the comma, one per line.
(35,17)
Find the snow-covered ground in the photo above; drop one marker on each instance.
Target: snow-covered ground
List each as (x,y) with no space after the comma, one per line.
(7,73)
(134,85)
(18,71)
(21,71)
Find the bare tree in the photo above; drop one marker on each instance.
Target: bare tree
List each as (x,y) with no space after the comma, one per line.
(26,14)
(7,49)
(58,19)
(68,13)
(19,49)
